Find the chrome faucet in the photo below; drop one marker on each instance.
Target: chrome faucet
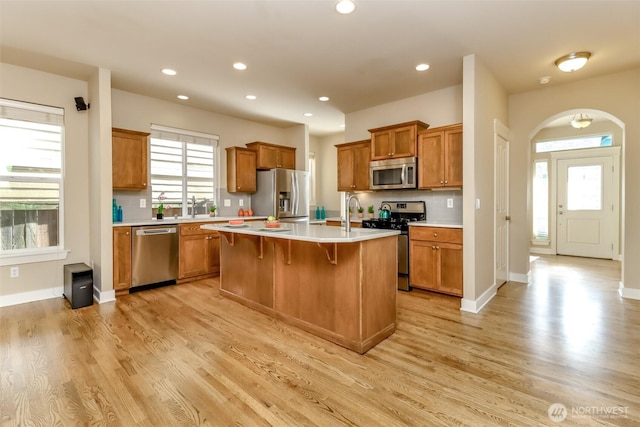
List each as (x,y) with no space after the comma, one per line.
(193,206)
(347,222)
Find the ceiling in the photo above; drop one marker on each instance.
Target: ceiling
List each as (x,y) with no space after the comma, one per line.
(297,51)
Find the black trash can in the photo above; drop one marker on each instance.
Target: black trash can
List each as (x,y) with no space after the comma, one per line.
(78,285)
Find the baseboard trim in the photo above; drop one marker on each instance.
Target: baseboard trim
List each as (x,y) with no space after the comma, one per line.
(628,293)
(541,251)
(520,278)
(104,296)
(477,305)
(31,296)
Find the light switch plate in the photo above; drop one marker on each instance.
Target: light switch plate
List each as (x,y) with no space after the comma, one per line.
(15,272)
(241,202)
(477,203)
(143,203)
(449,203)
(227,203)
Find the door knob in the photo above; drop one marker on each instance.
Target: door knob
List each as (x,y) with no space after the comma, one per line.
(560,213)
(507,218)
(560,206)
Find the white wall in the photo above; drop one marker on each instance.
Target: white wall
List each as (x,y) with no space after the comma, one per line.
(616,94)
(484,101)
(28,85)
(327,170)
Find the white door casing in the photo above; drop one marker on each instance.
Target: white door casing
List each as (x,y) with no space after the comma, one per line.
(586,203)
(501,202)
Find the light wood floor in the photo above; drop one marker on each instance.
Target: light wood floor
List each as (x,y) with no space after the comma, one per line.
(182,355)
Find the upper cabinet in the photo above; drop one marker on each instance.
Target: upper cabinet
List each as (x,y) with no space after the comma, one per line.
(440,157)
(130,163)
(391,142)
(272,156)
(353,165)
(241,170)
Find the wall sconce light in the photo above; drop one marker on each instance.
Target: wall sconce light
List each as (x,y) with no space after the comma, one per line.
(573,61)
(80,105)
(581,122)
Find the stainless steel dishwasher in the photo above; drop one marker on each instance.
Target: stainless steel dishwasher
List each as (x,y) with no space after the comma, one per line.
(154,255)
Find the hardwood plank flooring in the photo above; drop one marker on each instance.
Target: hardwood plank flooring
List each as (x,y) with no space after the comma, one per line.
(184,355)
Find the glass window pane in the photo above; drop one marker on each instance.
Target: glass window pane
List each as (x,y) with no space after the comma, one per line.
(541,201)
(574,143)
(584,188)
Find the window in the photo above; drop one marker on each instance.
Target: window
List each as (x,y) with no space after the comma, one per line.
(183,166)
(574,143)
(584,188)
(541,200)
(31,142)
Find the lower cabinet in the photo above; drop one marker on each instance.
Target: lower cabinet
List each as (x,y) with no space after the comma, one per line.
(354,224)
(435,257)
(199,251)
(121,259)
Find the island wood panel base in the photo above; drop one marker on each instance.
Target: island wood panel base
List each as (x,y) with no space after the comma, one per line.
(348,298)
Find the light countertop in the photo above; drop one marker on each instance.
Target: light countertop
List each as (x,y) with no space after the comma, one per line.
(184,220)
(428,223)
(305,232)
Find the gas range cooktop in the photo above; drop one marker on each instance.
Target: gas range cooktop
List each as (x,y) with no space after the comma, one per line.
(402,213)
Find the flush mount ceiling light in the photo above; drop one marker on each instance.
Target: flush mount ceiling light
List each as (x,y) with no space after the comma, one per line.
(239,66)
(183,97)
(169,72)
(422,67)
(250,97)
(573,61)
(307,114)
(323,98)
(345,7)
(581,121)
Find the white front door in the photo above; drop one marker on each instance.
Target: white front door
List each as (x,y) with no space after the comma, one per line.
(502,218)
(584,210)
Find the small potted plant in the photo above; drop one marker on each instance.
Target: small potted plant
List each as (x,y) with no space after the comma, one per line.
(370,211)
(360,212)
(212,210)
(160,213)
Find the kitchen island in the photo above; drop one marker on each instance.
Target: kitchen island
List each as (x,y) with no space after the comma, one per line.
(339,286)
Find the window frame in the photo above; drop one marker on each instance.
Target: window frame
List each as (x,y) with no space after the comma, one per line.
(185,138)
(49,115)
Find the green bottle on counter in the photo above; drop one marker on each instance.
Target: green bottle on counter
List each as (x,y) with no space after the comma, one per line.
(322,213)
(317,212)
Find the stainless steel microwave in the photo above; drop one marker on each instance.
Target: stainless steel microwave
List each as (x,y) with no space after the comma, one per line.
(393,174)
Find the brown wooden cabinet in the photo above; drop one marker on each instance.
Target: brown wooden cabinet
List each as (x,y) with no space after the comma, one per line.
(241,170)
(199,251)
(395,141)
(130,163)
(440,157)
(436,259)
(121,259)
(353,165)
(272,156)
(334,223)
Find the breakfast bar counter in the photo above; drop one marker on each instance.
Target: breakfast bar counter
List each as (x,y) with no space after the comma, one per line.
(339,286)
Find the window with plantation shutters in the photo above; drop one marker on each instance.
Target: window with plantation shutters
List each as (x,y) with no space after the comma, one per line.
(31,177)
(182,167)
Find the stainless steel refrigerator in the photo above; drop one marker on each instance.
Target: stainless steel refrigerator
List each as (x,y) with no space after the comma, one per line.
(282,193)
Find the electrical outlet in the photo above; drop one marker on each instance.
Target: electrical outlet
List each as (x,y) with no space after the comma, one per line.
(15,271)
(449,203)
(227,203)
(241,202)
(143,203)
(477,203)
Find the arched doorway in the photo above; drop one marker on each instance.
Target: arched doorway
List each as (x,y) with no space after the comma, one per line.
(562,141)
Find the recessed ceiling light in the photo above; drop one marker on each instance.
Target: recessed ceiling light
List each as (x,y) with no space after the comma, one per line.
(422,67)
(169,72)
(323,98)
(251,97)
(345,7)
(573,61)
(183,97)
(308,114)
(239,66)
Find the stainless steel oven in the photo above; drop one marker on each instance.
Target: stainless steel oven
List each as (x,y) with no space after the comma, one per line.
(393,174)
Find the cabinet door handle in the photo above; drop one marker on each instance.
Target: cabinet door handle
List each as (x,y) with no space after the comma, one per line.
(435,234)
(446,182)
(433,247)
(127,233)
